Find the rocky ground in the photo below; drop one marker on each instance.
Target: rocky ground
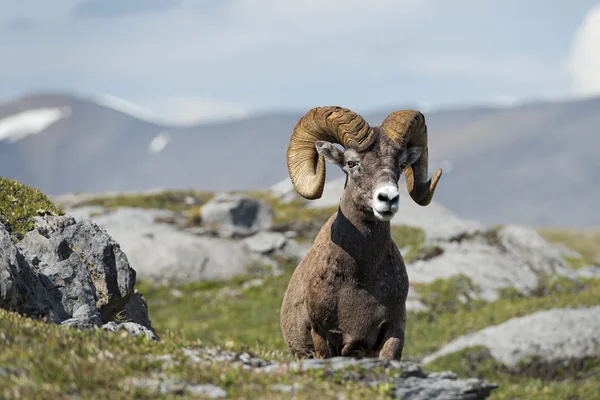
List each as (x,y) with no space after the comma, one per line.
(195,280)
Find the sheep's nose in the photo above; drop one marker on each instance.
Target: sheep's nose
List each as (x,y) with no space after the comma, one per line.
(386,198)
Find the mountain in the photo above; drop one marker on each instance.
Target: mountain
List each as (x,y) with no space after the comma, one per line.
(533,164)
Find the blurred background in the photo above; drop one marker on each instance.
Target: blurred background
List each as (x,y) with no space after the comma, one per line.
(104,95)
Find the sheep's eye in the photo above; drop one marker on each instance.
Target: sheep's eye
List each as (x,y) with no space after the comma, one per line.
(351,164)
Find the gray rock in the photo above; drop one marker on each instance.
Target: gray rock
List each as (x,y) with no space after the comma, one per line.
(529,248)
(265,242)
(163,385)
(515,258)
(20,288)
(80,253)
(131,328)
(442,387)
(69,272)
(408,379)
(161,253)
(552,335)
(237,215)
(208,389)
(136,310)
(84,317)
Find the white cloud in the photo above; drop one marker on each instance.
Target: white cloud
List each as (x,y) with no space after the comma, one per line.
(584,61)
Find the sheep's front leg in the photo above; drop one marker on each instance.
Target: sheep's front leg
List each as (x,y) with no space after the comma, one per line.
(320,344)
(393,339)
(393,345)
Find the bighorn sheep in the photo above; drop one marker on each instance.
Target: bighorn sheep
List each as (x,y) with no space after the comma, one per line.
(347,296)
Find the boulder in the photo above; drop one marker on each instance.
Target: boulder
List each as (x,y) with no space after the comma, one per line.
(509,257)
(550,336)
(162,253)
(68,272)
(20,288)
(85,257)
(237,215)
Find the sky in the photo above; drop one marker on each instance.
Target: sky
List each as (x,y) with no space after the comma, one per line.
(193,60)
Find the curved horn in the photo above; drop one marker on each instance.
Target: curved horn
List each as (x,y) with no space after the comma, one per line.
(408,129)
(332,123)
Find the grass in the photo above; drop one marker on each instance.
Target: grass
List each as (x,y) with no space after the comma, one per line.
(40,360)
(569,381)
(251,317)
(19,204)
(584,241)
(173,200)
(47,361)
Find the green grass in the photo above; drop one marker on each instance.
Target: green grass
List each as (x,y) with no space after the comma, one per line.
(560,381)
(47,361)
(19,204)
(173,200)
(251,317)
(39,360)
(584,241)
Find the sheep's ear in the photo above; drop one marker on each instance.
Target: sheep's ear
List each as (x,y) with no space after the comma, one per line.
(410,156)
(330,152)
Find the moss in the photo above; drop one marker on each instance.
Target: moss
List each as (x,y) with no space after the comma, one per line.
(449,295)
(19,204)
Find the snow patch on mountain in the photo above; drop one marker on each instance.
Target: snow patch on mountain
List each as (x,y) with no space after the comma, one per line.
(30,122)
(159,142)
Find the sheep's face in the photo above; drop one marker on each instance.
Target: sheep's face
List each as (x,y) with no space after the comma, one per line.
(372,174)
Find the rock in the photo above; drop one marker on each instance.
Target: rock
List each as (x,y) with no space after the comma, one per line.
(80,253)
(528,247)
(163,254)
(20,288)
(69,272)
(85,316)
(237,215)
(136,311)
(442,386)
(162,385)
(511,257)
(131,328)
(265,242)
(408,379)
(552,335)
(252,283)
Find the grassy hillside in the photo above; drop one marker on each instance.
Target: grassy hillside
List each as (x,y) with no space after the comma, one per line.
(46,361)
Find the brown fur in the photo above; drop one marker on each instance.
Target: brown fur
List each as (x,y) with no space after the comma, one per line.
(347,296)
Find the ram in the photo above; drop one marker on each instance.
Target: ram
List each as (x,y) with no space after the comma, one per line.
(347,296)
